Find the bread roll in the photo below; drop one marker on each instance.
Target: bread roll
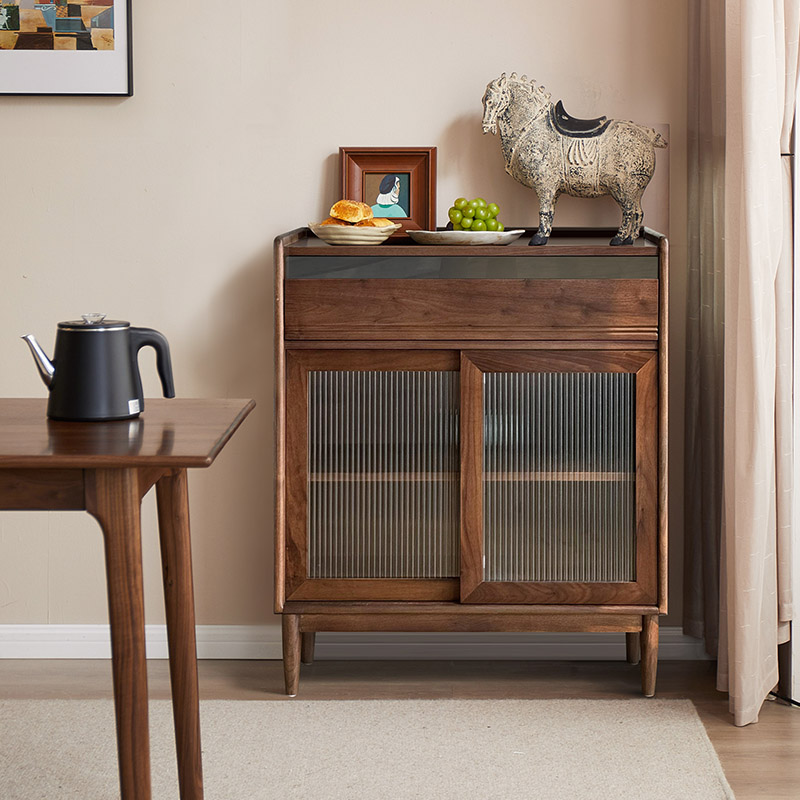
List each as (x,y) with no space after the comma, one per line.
(374,222)
(351,210)
(334,221)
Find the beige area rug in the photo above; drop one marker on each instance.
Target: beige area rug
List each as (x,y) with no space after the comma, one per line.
(376,749)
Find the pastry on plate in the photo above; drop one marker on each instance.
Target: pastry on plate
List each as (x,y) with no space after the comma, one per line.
(374,222)
(351,211)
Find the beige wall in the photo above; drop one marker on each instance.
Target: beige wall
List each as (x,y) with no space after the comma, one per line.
(162,208)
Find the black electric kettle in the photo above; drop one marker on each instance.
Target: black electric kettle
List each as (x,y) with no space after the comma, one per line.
(94,374)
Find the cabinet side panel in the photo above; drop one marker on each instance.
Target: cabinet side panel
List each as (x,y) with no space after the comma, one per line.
(663,427)
(279,429)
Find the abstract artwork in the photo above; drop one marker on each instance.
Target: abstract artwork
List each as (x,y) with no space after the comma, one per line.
(64,47)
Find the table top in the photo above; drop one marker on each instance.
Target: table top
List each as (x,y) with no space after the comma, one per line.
(169,433)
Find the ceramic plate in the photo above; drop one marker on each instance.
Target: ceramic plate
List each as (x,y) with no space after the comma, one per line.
(465,237)
(353,234)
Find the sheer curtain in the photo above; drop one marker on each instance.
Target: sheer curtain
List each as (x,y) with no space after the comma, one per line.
(739,507)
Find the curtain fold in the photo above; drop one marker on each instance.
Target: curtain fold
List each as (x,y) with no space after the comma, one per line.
(753,231)
(704,321)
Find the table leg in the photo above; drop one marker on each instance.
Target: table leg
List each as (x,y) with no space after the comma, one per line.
(112,497)
(176,560)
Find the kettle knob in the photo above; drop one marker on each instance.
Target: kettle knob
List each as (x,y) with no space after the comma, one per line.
(93,319)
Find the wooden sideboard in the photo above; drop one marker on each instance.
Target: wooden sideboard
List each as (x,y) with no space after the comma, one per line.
(471,439)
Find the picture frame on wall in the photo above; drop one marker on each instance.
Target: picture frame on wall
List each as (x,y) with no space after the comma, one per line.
(399,183)
(55,47)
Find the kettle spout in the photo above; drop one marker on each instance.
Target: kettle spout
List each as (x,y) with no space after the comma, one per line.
(45,365)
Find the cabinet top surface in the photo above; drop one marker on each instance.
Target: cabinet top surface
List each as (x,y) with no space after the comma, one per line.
(579,254)
(563,242)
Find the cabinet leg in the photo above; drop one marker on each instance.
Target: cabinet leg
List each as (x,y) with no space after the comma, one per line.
(632,651)
(291,653)
(307,647)
(649,640)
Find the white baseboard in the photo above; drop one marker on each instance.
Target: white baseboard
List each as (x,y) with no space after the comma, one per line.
(263,642)
(93,641)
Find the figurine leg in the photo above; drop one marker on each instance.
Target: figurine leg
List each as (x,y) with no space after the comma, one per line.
(638,221)
(623,235)
(546,213)
(632,216)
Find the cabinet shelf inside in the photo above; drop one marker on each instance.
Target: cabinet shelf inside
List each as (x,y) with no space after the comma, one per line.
(524,477)
(368,477)
(559,477)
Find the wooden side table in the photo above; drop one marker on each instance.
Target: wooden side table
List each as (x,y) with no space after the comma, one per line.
(106,468)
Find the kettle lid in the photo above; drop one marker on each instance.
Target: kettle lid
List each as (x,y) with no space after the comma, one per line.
(95,322)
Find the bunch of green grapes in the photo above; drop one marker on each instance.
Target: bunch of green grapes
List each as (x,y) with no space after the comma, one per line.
(475,215)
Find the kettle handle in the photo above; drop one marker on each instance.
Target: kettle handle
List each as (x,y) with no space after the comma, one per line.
(142,337)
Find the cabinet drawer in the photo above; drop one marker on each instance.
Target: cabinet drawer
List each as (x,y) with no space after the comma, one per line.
(471,309)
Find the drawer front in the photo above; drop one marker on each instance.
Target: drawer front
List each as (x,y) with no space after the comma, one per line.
(365,310)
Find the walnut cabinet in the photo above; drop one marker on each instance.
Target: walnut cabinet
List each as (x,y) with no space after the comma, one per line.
(471,439)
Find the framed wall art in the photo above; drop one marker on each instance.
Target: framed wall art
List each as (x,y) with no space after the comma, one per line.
(398,182)
(57,47)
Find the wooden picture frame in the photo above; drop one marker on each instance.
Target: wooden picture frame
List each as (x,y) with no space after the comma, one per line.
(49,49)
(411,198)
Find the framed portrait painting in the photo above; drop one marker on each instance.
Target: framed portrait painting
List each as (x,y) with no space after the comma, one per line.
(57,47)
(399,183)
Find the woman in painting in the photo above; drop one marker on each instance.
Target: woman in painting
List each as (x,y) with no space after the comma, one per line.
(386,204)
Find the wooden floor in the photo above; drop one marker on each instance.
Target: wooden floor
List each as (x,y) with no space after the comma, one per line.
(760,761)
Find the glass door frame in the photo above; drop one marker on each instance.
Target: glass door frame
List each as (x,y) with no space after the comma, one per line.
(294,550)
(643,364)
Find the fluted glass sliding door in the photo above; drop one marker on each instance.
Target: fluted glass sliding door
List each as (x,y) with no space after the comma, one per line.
(559,479)
(373,470)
